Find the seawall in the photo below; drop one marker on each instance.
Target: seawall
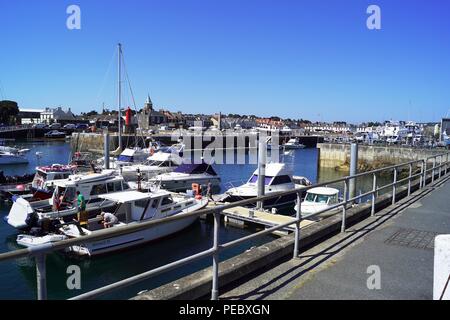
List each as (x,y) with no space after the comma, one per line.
(369,157)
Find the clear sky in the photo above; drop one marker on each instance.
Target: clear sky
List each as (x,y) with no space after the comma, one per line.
(301,59)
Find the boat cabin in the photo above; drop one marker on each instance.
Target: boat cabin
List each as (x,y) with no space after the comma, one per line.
(322,195)
(276,174)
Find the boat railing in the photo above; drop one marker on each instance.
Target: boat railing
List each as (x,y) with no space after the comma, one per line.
(421,172)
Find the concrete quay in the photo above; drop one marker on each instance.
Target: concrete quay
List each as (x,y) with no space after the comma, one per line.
(269,272)
(398,242)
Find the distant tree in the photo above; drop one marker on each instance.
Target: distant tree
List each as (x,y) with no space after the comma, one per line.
(91,113)
(8,111)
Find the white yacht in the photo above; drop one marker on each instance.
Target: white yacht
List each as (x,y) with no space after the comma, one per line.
(133,208)
(318,199)
(184,176)
(293,144)
(91,186)
(278,177)
(7,157)
(158,163)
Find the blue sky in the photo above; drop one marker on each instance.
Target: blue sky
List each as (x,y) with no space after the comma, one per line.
(301,59)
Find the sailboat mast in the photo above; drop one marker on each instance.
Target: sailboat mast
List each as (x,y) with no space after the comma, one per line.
(119,94)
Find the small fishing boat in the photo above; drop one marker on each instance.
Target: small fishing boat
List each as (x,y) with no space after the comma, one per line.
(55,134)
(42,186)
(318,199)
(133,208)
(293,144)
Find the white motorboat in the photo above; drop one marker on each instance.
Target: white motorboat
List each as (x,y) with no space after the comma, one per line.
(42,186)
(7,157)
(158,163)
(55,134)
(131,156)
(182,178)
(293,144)
(278,177)
(91,186)
(133,208)
(318,199)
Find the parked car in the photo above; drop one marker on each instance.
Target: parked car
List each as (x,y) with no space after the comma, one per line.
(70,126)
(82,126)
(55,126)
(39,125)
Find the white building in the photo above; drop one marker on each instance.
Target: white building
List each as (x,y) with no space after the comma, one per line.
(55,115)
(28,116)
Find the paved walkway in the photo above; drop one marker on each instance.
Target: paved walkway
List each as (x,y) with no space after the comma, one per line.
(399,240)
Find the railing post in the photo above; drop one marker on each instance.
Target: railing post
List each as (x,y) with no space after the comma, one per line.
(425,173)
(409,179)
(440,166)
(374,194)
(215,267)
(432,171)
(344,207)
(394,186)
(298,217)
(41,276)
(421,175)
(446,164)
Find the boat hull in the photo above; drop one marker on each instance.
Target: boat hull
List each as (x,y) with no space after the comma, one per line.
(279,202)
(130,240)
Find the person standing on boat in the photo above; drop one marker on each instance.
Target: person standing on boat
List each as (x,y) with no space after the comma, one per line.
(82,213)
(209,191)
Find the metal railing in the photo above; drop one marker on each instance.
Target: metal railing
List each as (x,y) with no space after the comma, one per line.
(15,128)
(425,173)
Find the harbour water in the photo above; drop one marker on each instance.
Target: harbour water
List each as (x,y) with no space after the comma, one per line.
(18,280)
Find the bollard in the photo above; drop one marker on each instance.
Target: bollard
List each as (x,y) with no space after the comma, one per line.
(298,218)
(344,208)
(394,186)
(41,276)
(374,192)
(215,267)
(353,168)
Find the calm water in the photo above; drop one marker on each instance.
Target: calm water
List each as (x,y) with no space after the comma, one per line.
(17,279)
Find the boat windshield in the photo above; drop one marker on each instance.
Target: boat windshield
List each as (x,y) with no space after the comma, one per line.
(254,179)
(318,198)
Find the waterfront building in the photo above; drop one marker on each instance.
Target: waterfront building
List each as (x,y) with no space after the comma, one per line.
(28,116)
(50,115)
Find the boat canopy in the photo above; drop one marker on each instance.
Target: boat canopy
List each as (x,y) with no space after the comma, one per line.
(127,155)
(326,191)
(131,196)
(196,169)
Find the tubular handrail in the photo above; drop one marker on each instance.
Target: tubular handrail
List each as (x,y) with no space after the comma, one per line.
(40,251)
